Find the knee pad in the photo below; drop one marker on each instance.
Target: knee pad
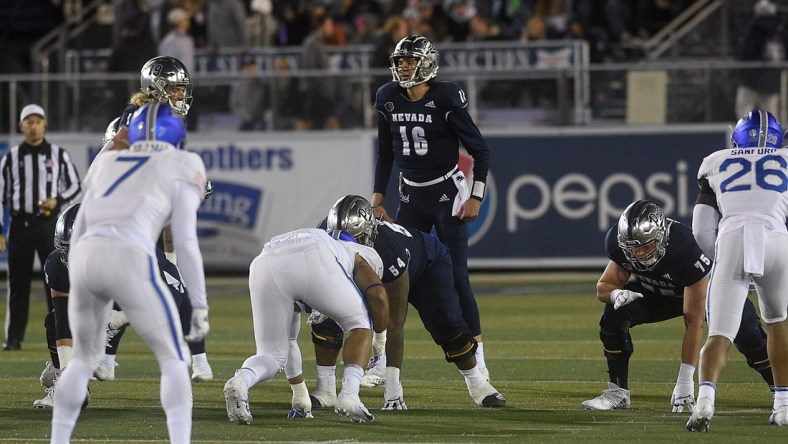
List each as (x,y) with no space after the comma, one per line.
(617,344)
(328,334)
(460,348)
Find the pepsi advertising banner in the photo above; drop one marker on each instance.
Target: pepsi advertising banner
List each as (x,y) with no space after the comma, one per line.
(552,197)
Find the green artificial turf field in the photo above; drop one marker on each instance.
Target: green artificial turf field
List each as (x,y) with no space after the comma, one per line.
(542,349)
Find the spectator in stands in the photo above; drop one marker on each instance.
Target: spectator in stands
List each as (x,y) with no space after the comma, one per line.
(248,97)
(433,21)
(394,29)
(226,24)
(325,93)
(508,15)
(134,48)
(261,24)
(287,100)
(482,29)
(558,19)
(459,14)
(178,42)
(766,39)
(653,15)
(294,23)
(198,28)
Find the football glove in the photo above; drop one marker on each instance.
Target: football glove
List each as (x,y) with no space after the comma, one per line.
(199,325)
(208,189)
(621,297)
(682,396)
(685,387)
(315,317)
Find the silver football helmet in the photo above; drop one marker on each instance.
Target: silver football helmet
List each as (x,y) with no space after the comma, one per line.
(354,215)
(161,72)
(643,234)
(63,228)
(424,51)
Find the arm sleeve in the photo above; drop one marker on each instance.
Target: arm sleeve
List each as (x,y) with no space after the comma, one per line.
(704,227)
(185,201)
(460,121)
(385,157)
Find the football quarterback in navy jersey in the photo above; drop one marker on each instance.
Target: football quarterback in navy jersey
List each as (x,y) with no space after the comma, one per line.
(421,123)
(669,277)
(417,270)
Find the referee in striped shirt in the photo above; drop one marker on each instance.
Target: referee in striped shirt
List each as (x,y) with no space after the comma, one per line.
(36,179)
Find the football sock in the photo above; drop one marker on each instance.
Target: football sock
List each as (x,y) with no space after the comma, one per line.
(71,390)
(708,390)
(263,367)
(299,390)
(480,355)
(473,377)
(326,378)
(393,388)
(780,397)
(176,399)
(200,358)
(64,353)
(351,379)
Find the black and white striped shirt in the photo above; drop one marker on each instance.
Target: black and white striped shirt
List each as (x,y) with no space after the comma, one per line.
(29,174)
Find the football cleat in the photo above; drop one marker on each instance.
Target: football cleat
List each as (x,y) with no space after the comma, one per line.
(49,375)
(236,396)
(202,372)
(395,404)
(352,407)
(299,414)
(613,398)
(375,375)
(323,399)
(105,371)
(780,416)
(48,401)
(485,395)
(701,416)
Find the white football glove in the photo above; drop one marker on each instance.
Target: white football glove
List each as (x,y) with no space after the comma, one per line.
(683,396)
(621,297)
(685,387)
(315,317)
(199,325)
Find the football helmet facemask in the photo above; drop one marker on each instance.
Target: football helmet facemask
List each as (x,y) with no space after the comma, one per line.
(420,48)
(758,128)
(157,122)
(354,215)
(63,229)
(162,78)
(643,234)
